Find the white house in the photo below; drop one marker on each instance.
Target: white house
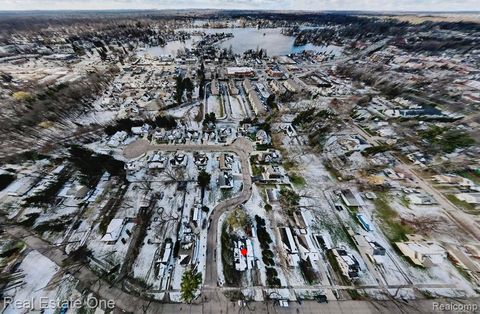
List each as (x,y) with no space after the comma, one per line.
(141,130)
(421,199)
(157,161)
(289,246)
(114,230)
(306,248)
(348,264)
(117,139)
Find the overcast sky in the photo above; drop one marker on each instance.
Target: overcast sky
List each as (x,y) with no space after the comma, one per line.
(367,5)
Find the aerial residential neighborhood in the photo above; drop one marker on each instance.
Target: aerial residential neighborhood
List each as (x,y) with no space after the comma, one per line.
(215,161)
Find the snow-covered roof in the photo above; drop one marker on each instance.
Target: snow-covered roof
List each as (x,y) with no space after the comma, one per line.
(114,230)
(235,70)
(20,186)
(423,251)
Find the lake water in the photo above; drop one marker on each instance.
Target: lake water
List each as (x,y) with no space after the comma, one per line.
(171,48)
(244,39)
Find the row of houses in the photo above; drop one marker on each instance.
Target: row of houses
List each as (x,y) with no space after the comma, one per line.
(297,242)
(257,104)
(470,191)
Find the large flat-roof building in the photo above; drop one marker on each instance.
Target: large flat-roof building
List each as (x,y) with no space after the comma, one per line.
(240,72)
(422,252)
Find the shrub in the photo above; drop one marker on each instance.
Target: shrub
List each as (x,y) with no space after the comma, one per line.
(263,237)
(5,180)
(310,275)
(271,272)
(191,280)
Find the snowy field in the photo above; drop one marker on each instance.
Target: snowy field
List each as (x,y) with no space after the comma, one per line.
(215,105)
(238,111)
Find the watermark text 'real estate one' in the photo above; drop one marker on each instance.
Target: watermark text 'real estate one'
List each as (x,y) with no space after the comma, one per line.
(45,303)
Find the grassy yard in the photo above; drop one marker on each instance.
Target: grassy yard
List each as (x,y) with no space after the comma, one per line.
(462,204)
(471,175)
(296,179)
(391,224)
(333,262)
(333,172)
(257,170)
(289,165)
(405,201)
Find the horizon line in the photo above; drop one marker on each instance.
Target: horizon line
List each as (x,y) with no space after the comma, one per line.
(239,9)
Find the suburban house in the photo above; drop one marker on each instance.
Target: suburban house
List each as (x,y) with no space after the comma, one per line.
(225,180)
(141,130)
(421,199)
(243,255)
(272,195)
(422,252)
(269,156)
(179,160)
(201,160)
(347,262)
(351,199)
(273,173)
(289,246)
(117,139)
(239,72)
(262,137)
(225,162)
(274,72)
(454,180)
(277,87)
(292,86)
(253,98)
(114,230)
(157,161)
(307,249)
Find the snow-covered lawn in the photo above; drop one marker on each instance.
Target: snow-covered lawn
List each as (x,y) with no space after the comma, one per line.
(38,271)
(238,112)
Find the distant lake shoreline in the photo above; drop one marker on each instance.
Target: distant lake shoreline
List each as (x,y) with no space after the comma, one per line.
(270,39)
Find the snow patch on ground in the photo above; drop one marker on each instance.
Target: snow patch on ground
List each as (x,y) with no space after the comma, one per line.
(38,271)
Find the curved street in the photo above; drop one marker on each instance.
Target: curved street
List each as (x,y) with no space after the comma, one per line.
(242,147)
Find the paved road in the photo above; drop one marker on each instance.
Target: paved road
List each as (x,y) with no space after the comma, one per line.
(241,146)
